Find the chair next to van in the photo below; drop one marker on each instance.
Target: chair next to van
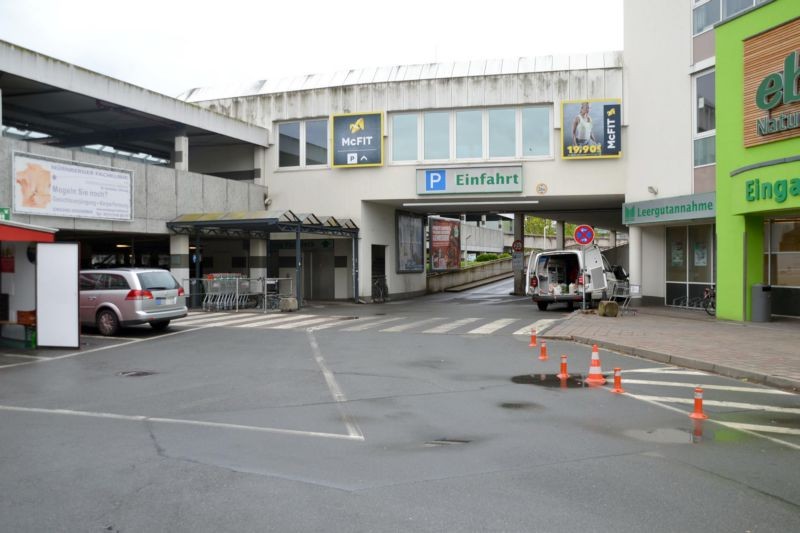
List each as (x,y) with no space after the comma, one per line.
(560,276)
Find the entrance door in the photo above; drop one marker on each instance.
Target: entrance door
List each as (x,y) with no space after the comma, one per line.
(318,274)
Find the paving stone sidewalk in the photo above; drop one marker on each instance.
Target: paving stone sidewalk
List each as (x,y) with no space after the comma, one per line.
(766,353)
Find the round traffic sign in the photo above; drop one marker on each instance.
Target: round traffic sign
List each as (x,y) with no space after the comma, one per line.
(584,234)
(517,245)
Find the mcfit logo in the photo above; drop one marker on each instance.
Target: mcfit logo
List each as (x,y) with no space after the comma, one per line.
(357,126)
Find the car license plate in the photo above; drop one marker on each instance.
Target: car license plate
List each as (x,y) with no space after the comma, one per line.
(166,301)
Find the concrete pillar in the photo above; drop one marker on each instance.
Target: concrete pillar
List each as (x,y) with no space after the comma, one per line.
(612,238)
(559,235)
(519,235)
(181,154)
(258,258)
(260,166)
(179,260)
(635,255)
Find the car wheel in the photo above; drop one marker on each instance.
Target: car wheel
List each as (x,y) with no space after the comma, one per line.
(161,325)
(542,306)
(107,322)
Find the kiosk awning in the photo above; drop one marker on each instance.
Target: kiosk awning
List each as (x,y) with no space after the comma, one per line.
(17,231)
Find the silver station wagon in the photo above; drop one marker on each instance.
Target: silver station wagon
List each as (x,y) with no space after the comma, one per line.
(111,298)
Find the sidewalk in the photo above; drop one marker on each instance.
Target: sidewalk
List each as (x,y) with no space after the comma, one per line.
(767,353)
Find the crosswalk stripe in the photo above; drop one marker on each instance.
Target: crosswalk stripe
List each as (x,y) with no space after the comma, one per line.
(409,325)
(363,327)
(539,326)
(705,386)
(276,319)
(444,328)
(240,320)
(342,321)
(304,323)
(719,403)
(491,327)
(203,319)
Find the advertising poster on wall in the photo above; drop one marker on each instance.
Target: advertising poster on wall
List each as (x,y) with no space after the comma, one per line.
(57,188)
(700,254)
(410,243)
(591,129)
(677,254)
(445,251)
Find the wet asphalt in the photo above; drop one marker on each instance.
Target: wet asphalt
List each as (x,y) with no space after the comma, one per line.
(254,429)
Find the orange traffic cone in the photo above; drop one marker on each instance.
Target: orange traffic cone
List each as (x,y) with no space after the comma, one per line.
(533,338)
(543,352)
(595,372)
(563,374)
(698,413)
(618,381)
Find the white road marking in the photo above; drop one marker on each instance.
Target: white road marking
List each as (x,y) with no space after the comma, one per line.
(140,418)
(765,429)
(342,321)
(491,327)
(352,427)
(539,326)
(726,424)
(232,321)
(706,387)
(409,325)
(444,328)
(203,319)
(373,323)
(35,357)
(719,403)
(666,370)
(275,320)
(317,320)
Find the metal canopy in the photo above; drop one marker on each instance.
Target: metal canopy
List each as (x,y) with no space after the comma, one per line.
(260,224)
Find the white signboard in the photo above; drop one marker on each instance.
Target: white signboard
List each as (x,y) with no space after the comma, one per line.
(52,187)
(57,322)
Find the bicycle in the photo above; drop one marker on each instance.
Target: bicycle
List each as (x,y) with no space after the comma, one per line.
(379,289)
(709,302)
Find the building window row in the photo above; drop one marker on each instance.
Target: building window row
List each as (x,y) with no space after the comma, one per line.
(471,134)
(705,119)
(709,12)
(303,144)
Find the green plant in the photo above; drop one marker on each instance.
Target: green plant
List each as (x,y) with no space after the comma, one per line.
(486,257)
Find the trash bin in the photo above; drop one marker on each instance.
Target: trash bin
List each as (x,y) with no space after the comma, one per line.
(761,303)
(196,296)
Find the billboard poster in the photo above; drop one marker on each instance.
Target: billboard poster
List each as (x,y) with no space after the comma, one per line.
(358,140)
(57,188)
(591,129)
(410,243)
(445,251)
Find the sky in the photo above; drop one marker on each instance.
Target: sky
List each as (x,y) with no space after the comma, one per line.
(170,46)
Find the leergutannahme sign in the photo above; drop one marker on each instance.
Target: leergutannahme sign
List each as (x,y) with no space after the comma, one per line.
(670,209)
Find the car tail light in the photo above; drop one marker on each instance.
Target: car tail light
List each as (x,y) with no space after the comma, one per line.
(180,291)
(580,280)
(534,282)
(136,294)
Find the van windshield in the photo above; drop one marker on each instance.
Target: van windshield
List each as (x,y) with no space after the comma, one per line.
(157,280)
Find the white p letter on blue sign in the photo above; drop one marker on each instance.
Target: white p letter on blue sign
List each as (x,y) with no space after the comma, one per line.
(435,180)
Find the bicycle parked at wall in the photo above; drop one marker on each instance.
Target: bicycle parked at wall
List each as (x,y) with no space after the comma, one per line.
(379,289)
(709,302)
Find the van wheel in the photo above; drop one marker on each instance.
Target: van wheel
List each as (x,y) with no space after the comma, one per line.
(161,325)
(542,306)
(107,322)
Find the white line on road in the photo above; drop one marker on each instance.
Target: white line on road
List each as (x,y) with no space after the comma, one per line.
(409,325)
(202,319)
(491,327)
(444,328)
(309,322)
(275,320)
(139,418)
(373,324)
(666,370)
(706,387)
(352,427)
(718,403)
(539,326)
(765,429)
(232,321)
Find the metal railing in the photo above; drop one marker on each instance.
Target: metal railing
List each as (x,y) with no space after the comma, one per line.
(233,292)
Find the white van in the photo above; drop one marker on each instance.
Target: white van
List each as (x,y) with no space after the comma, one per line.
(559,276)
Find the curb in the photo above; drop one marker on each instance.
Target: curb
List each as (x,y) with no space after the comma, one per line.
(779,382)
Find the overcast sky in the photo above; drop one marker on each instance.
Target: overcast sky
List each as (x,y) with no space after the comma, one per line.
(170,46)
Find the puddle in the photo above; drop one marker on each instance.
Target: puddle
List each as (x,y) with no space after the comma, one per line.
(520,405)
(695,435)
(550,380)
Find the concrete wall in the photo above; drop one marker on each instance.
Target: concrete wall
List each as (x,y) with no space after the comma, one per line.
(443,281)
(160,194)
(481,240)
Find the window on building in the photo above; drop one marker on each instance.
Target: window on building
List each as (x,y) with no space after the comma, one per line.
(469,134)
(302,144)
(472,134)
(437,135)
(502,133)
(705,119)
(535,131)
(731,7)
(709,12)
(404,137)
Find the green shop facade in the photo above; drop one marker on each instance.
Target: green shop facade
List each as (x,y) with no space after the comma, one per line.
(758,162)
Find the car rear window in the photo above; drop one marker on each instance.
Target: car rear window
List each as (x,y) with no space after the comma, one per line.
(157,280)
